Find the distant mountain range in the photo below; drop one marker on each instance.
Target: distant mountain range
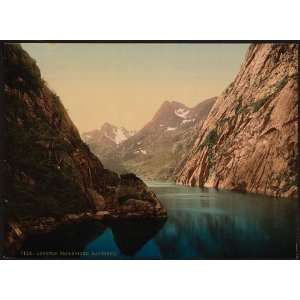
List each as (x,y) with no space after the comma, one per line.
(104,143)
(108,133)
(156,150)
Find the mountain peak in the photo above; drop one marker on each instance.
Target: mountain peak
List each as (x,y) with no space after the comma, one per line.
(108,132)
(171,104)
(167,111)
(176,103)
(106,126)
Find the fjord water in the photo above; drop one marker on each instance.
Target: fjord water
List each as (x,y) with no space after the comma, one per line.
(207,224)
(201,224)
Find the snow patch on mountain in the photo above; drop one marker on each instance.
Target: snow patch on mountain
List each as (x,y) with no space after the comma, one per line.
(141,151)
(86,137)
(171,128)
(130,132)
(187,121)
(118,134)
(182,113)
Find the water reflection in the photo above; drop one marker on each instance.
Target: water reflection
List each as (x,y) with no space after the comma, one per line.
(201,224)
(96,240)
(210,224)
(127,239)
(67,241)
(131,236)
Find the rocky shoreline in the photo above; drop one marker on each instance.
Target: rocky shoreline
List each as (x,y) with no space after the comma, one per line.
(17,232)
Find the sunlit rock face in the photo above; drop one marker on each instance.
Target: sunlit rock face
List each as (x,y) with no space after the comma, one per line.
(49,170)
(249,140)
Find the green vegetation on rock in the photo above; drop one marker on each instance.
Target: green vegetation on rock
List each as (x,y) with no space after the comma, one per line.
(276,88)
(211,138)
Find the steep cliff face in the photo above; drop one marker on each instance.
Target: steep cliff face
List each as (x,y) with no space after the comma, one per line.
(49,171)
(249,140)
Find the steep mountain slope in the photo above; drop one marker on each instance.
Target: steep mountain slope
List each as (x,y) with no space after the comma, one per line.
(249,140)
(49,171)
(155,151)
(105,141)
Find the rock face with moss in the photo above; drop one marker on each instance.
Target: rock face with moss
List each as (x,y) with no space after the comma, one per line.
(249,140)
(48,170)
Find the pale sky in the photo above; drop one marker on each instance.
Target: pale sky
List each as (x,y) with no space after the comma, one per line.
(125,84)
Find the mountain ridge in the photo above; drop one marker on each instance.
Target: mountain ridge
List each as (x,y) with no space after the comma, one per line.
(150,152)
(154,151)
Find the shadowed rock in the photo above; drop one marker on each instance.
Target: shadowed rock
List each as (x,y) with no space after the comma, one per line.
(48,170)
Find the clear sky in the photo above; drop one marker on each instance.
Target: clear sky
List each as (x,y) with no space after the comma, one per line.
(125,84)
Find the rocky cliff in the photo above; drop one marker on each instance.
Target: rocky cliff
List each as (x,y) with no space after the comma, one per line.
(249,140)
(48,169)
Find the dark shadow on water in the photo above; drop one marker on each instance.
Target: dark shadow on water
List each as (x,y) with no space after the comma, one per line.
(72,241)
(67,241)
(131,235)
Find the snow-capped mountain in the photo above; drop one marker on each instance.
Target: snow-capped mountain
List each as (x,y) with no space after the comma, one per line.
(155,151)
(104,143)
(174,115)
(108,132)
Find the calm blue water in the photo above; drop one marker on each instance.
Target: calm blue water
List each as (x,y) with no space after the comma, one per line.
(201,224)
(205,223)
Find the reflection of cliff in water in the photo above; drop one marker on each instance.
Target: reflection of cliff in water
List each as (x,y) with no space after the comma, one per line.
(66,241)
(202,223)
(221,235)
(94,239)
(131,235)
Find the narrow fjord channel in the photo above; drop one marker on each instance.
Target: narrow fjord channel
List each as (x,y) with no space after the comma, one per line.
(201,224)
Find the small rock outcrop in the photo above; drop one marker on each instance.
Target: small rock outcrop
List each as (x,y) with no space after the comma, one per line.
(249,140)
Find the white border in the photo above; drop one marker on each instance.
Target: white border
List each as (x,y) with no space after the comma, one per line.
(155,19)
(150,280)
(200,20)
